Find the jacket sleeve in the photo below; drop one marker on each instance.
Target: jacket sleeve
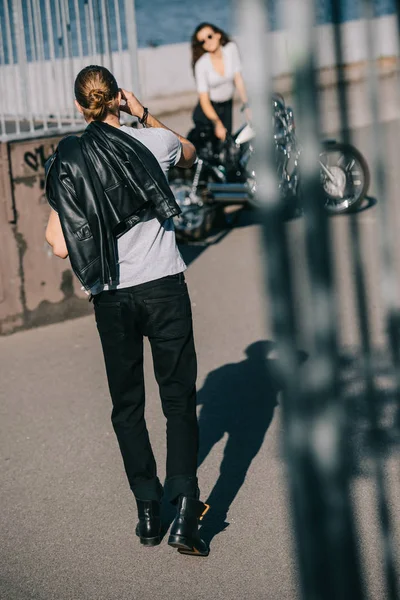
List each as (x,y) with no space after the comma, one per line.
(49,185)
(82,248)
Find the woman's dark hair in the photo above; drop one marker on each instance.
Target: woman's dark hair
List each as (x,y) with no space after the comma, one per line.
(198,49)
(96,90)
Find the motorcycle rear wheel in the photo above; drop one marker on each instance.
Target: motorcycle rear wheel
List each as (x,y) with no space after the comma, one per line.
(351,178)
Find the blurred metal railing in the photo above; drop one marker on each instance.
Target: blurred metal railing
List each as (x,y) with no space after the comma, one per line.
(43,45)
(316,414)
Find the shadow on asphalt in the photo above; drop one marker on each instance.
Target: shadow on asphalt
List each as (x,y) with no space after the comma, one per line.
(237,399)
(191,251)
(368,203)
(247,217)
(373,426)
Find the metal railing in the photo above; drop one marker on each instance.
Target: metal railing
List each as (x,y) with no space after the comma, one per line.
(43,45)
(316,414)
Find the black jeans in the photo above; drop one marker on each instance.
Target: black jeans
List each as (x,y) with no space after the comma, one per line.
(160,310)
(224,111)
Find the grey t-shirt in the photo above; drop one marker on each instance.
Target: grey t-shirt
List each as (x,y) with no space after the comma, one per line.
(148,251)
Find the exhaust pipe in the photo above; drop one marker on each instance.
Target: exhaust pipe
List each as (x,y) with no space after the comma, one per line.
(229,198)
(228,193)
(235,188)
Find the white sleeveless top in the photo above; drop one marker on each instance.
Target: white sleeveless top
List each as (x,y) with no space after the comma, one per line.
(220,87)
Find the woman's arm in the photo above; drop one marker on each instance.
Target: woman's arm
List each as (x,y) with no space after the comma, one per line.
(200,75)
(55,236)
(241,88)
(210,113)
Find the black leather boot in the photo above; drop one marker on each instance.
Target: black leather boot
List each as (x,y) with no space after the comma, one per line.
(149,527)
(184,531)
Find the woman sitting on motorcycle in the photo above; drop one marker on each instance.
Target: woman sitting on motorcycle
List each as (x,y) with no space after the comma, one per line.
(217,69)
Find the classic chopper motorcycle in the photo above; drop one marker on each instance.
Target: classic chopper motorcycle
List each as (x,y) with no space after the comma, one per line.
(223,175)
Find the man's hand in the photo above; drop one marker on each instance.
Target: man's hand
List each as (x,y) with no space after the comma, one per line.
(131,105)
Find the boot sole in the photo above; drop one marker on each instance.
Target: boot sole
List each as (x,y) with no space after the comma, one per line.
(184,546)
(150,541)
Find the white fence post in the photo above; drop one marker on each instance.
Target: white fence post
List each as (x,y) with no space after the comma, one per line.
(44,44)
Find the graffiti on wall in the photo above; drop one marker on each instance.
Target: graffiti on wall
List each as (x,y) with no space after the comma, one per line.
(30,171)
(36,158)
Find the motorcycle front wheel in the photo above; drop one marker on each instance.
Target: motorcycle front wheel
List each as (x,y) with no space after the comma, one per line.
(196,219)
(345,177)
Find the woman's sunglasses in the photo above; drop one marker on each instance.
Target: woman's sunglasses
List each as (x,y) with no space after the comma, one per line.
(208,37)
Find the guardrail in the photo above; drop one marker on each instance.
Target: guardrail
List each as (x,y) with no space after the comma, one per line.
(37,69)
(42,47)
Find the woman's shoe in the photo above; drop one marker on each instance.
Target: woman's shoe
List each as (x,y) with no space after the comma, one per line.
(148,528)
(184,531)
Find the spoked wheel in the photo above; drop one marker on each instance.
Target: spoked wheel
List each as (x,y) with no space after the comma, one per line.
(196,219)
(345,177)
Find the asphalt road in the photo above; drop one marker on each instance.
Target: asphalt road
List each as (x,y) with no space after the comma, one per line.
(67,515)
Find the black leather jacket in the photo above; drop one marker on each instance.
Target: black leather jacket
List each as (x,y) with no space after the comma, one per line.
(99,183)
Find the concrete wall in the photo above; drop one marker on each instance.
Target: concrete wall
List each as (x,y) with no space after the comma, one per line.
(36,288)
(10,289)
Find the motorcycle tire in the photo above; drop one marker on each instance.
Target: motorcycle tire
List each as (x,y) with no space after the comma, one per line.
(353,183)
(196,234)
(195,222)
